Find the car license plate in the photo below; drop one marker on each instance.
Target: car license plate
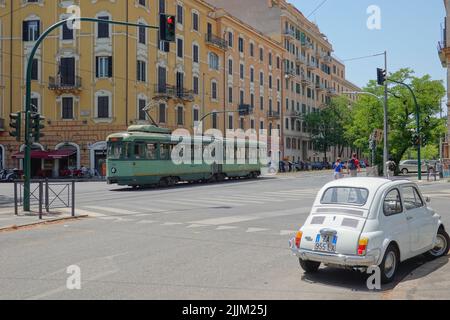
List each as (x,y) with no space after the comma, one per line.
(325,242)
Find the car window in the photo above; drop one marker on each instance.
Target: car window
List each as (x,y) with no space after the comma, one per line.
(345,195)
(392,203)
(411,198)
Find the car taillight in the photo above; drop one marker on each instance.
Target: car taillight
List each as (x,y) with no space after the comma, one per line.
(362,246)
(298,239)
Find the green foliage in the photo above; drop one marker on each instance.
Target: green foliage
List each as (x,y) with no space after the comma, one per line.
(367,114)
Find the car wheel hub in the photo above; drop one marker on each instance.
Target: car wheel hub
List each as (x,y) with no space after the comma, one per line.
(439,248)
(390,264)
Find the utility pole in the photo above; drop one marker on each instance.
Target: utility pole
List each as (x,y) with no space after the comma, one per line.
(386,125)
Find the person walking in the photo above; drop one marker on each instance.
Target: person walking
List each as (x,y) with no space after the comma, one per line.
(353,166)
(390,167)
(337,169)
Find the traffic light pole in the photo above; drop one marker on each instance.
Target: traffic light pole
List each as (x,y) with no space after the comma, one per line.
(419,160)
(28,138)
(386,124)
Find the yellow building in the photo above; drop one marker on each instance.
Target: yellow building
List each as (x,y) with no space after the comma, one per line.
(95,80)
(311,74)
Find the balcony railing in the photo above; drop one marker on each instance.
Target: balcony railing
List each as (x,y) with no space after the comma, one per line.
(290,33)
(173,92)
(320,86)
(273,114)
(310,65)
(327,59)
(305,80)
(216,41)
(307,45)
(60,84)
(290,72)
(300,59)
(2,124)
(331,91)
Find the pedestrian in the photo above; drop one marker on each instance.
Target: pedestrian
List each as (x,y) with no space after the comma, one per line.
(337,169)
(353,166)
(390,167)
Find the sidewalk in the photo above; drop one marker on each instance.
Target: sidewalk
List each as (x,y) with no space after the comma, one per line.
(9,221)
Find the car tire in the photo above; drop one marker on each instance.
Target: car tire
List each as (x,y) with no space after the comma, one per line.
(309,266)
(389,264)
(405,171)
(442,247)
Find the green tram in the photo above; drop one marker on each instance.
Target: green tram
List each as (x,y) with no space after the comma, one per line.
(142,157)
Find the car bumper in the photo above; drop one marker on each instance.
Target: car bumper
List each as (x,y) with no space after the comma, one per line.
(335,258)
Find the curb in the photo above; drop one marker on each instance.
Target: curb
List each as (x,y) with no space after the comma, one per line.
(33,224)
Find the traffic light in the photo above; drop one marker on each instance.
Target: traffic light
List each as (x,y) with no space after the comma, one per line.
(415,139)
(15,124)
(245,109)
(424,140)
(167,27)
(381,76)
(36,126)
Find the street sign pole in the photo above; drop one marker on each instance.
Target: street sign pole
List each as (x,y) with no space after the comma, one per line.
(28,140)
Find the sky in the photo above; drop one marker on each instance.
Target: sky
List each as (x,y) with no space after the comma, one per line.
(410,31)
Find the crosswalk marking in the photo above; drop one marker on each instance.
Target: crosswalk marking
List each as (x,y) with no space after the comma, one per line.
(184,205)
(113,210)
(226,227)
(256,229)
(218,202)
(287,232)
(225,220)
(237,200)
(171,223)
(83,212)
(146,221)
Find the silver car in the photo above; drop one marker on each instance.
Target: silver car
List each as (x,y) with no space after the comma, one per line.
(407,166)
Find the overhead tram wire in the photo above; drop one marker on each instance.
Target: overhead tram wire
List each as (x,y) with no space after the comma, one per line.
(317,8)
(364,57)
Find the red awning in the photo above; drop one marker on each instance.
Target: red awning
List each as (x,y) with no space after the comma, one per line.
(54,154)
(59,154)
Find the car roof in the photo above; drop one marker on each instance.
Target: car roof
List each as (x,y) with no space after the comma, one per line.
(370,183)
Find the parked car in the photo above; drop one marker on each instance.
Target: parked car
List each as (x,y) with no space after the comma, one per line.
(360,222)
(317,166)
(410,165)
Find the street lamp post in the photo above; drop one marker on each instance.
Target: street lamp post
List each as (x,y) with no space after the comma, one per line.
(28,140)
(382,100)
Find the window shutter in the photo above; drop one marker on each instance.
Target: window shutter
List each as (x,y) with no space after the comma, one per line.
(96,67)
(38,29)
(25,31)
(110,67)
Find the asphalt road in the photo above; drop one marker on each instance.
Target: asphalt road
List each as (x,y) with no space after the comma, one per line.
(217,241)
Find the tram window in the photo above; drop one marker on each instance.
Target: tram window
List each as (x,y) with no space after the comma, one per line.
(151,151)
(114,150)
(164,151)
(140,150)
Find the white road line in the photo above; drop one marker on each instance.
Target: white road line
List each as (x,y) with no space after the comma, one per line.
(196,226)
(224,220)
(146,221)
(207,203)
(260,198)
(226,227)
(287,232)
(113,210)
(185,205)
(84,212)
(171,223)
(249,230)
(219,203)
(233,200)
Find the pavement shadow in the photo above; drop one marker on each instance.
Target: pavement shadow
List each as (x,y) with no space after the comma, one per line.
(182,185)
(5,201)
(356,280)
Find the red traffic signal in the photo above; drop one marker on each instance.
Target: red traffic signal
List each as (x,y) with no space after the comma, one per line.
(167,27)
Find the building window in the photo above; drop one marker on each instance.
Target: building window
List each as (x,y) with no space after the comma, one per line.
(261,79)
(195,21)
(104,67)
(241,97)
(252,75)
(141,71)
(67,33)
(31,30)
(213,61)
(102,107)
(103,28)
(230,121)
(261,103)
(142,35)
(261,54)
(241,45)
(141,105)
(214,120)
(214,90)
(179,14)
(162,6)
(162,113)
(230,39)
(230,94)
(230,67)
(195,115)
(180,48)
(252,50)
(195,84)
(241,71)
(180,119)
(67,108)
(35,70)
(270,58)
(195,53)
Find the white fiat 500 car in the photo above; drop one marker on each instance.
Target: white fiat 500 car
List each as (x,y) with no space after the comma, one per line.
(361,222)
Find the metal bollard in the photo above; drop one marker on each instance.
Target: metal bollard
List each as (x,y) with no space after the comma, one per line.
(40,199)
(73,198)
(47,207)
(16,201)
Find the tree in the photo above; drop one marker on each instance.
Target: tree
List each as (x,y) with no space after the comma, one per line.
(367,114)
(326,125)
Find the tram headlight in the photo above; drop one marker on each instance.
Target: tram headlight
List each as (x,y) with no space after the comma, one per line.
(113,170)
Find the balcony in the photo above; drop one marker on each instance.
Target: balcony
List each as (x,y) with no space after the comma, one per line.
(327,59)
(305,80)
(332,92)
(215,41)
(310,65)
(290,72)
(289,33)
(2,124)
(273,115)
(307,45)
(166,92)
(320,86)
(294,114)
(61,86)
(300,59)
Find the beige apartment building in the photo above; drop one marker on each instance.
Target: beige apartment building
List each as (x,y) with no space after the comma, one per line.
(96,80)
(312,75)
(444,55)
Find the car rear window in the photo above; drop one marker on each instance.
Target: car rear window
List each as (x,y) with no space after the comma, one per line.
(345,195)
